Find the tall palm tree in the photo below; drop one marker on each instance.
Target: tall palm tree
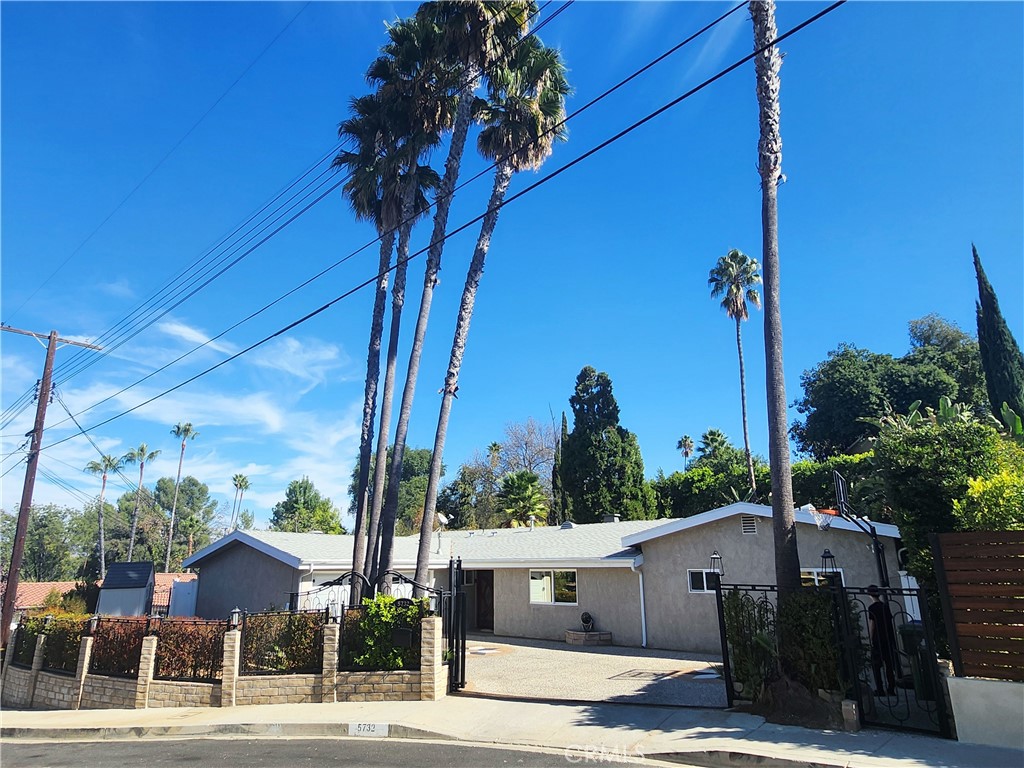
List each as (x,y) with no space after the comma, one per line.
(711,442)
(766,68)
(139,456)
(186,432)
(734,278)
(685,447)
(476,37)
(241,483)
(417,111)
(523,117)
(102,467)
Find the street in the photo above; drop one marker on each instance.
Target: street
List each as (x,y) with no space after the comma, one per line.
(294,753)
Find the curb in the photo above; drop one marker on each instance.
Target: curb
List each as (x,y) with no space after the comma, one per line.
(141,732)
(717,758)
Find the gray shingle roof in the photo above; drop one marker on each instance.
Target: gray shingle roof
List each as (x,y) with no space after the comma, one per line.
(590,542)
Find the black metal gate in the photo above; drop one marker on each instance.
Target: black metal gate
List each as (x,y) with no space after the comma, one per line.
(883,656)
(454,622)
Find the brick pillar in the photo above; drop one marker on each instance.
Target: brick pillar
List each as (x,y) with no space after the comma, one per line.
(84,657)
(229,676)
(433,674)
(330,662)
(147,662)
(37,664)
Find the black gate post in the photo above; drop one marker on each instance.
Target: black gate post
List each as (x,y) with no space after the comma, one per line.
(716,582)
(933,664)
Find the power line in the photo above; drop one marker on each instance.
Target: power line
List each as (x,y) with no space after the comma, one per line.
(162,160)
(554,174)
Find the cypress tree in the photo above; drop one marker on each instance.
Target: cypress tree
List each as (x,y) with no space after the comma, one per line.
(559,505)
(1001,358)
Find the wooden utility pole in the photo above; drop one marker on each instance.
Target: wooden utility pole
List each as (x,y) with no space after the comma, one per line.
(11,590)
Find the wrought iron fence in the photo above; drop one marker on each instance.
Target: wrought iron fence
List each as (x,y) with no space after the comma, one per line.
(117,645)
(25,643)
(282,642)
(190,649)
(63,641)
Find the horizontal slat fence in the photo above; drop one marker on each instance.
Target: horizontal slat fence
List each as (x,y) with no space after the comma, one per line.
(981,580)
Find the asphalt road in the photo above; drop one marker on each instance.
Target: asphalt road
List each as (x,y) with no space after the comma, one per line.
(295,753)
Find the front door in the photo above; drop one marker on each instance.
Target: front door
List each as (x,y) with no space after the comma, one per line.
(485,600)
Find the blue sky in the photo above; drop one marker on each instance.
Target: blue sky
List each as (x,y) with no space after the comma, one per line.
(903,142)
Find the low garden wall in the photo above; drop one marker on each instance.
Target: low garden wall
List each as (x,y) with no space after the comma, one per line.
(230,682)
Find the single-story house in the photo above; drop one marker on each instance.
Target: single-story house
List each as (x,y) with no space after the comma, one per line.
(645,581)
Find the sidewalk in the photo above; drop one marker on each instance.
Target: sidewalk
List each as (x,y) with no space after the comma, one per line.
(695,736)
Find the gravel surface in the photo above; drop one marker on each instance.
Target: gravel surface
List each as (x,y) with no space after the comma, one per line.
(503,666)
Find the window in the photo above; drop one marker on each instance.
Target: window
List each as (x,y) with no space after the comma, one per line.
(748,524)
(469,577)
(699,581)
(812,577)
(553,587)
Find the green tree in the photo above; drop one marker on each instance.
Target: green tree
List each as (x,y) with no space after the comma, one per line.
(522,498)
(685,447)
(304,509)
(475,37)
(996,502)
(470,499)
(734,278)
(186,432)
(241,483)
(195,513)
(245,520)
(412,488)
(559,502)
(140,456)
(48,553)
(1001,358)
(939,342)
(602,469)
(105,465)
(522,118)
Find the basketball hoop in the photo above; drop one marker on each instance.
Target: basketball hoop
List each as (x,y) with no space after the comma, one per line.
(823,517)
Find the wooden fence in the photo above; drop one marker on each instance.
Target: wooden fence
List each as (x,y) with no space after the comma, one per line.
(981,583)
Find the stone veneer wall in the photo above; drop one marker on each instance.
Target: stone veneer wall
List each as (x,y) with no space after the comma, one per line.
(277,689)
(16,686)
(54,691)
(36,688)
(103,692)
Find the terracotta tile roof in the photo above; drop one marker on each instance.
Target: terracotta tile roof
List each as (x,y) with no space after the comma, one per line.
(162,589)
(32,594)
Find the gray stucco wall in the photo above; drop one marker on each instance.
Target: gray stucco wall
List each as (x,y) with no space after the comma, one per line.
(241,576)
(611,595)
(681,620)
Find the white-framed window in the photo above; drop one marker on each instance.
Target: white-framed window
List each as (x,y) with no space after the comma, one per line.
(698,581)
(553,587)
(812,577)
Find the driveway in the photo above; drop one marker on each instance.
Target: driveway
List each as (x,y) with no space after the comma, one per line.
(539,669)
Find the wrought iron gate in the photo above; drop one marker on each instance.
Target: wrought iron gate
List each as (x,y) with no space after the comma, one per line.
(884,657)
(454,622)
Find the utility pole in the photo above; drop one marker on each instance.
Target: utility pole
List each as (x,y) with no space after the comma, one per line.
(11,591)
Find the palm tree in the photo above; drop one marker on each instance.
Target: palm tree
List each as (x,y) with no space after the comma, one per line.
(711,442)
(522,497)
(766,68)
(186,432)
(734,278)
(417,112)
(139,456)
(685,447)
(105,465)
(523,117)
(475,38)
(241,483)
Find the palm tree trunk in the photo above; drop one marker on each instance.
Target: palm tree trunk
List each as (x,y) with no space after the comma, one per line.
(743,408)
(103,543)
(135,514)
(767,65)
(234,511)
(453,165)
(502,177)
(241,495)
(397,303)
(387,242)
(174,508)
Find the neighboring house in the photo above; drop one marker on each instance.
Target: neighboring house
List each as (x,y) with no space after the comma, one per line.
(127,590)
(642,580)
(32,595)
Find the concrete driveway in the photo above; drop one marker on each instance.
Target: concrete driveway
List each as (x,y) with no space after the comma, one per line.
(539,669)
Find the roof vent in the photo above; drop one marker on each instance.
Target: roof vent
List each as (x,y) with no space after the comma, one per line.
(568,524)
(610,519)
(748,523)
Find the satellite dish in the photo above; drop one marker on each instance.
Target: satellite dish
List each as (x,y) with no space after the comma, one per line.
(443,519)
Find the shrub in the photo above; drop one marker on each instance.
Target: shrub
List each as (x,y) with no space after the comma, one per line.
(283,642)
(382,616)
(63,641)
(190,649)
(25,646)
(117,646)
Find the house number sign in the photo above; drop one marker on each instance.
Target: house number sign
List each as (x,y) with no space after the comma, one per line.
(380,730)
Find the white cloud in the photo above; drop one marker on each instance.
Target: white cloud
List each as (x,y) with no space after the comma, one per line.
(178,330)
(310,361)
(715,48)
